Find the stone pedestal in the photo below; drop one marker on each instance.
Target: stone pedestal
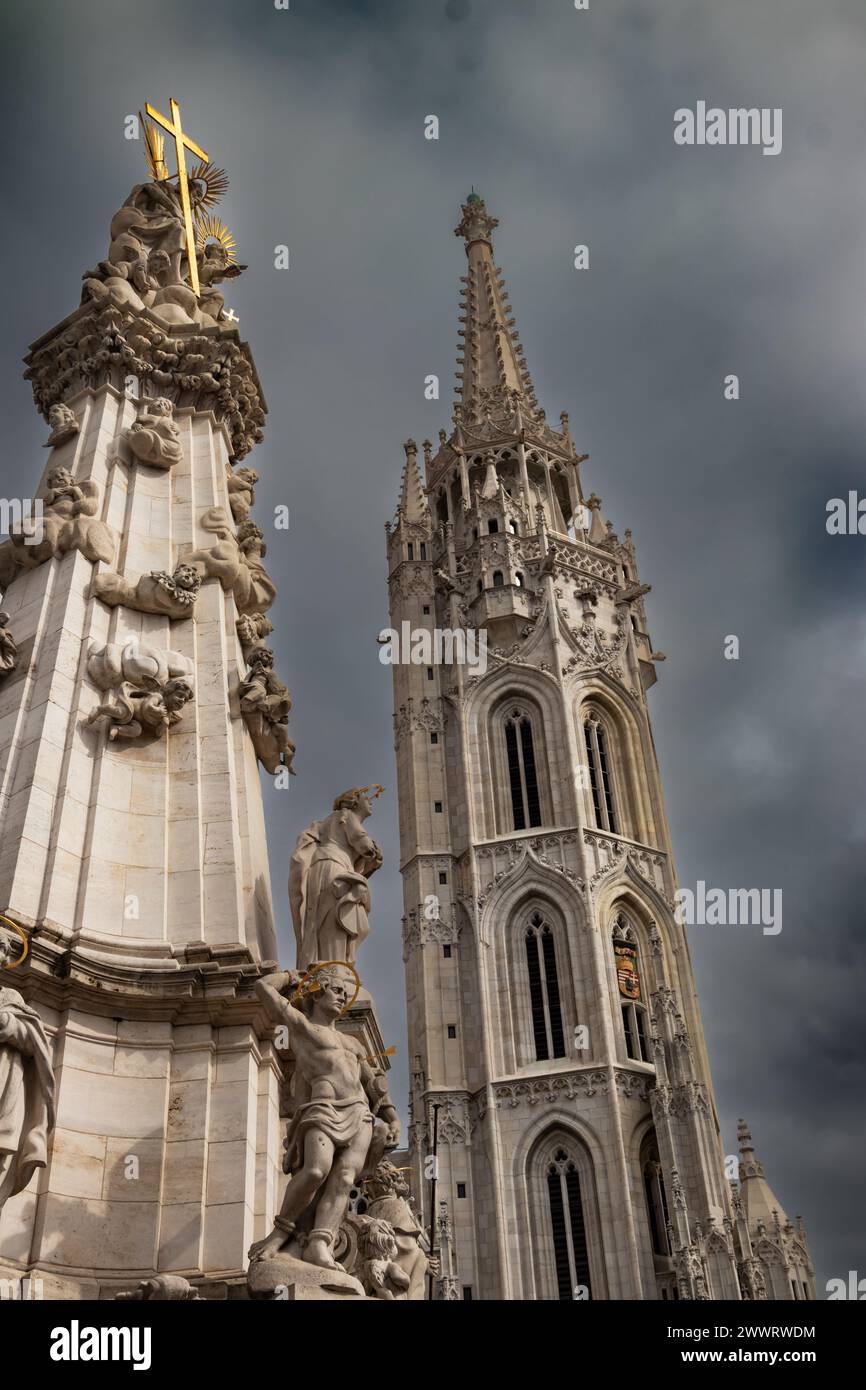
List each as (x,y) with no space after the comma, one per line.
(285,1277)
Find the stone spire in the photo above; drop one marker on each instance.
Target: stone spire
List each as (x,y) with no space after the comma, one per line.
(759,1200)
(413,503)
(492,369)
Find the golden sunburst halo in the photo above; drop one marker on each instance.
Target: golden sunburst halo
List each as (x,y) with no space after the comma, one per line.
(215,182)
(212,228)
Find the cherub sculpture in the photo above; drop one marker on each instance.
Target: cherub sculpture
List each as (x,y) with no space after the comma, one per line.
(343,1118)
(265,704)
(252,629)
(63,424)
(64,519)
(154,438)
(236,561)
(328,874)
(146,689)
(158,592)
(241,489)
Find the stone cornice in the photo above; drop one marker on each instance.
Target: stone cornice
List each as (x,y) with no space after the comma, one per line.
(204,368)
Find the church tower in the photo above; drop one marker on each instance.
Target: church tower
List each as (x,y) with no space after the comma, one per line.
(558,1056)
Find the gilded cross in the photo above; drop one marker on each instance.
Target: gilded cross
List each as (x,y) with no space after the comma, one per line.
(182,143)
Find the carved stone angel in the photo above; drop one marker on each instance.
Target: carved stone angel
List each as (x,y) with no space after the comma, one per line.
(68,521)
(154,438)
(265,704)
(146,689)
(63,425)
(236,561)
(158,592)
(241,488)
(328,874)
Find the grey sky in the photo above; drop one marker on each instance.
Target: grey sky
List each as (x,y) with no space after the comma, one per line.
(703,262)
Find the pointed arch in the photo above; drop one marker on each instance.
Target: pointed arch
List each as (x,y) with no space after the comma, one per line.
(616,754)
(511,775)
(535,923)
(557,1170)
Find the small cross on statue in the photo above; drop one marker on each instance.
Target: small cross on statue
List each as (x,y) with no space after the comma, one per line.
(182,143)
(230,316)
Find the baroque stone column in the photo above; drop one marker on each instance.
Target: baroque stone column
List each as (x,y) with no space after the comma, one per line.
(133,848)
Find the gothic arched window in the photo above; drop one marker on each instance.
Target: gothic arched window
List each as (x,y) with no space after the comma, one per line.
(632,1008)
(522,773)
(600,777)
(570,1252)
(498,579)
(544,989)
(656,1197)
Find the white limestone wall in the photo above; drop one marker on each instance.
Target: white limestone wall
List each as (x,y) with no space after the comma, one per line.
(165,1157)
(154,845)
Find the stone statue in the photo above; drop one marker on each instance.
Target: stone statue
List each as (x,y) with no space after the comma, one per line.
(173,595)
(328,875)
(147,689)
(215,266)
(241,486)
(236,561)
(65,520)
(381,1273)
(252,629)
(26,1087)
(387,1195)
(265,704)
(154,438)
(63,425)
(8,648)
(162,1288)
(146,265)
(343,1118)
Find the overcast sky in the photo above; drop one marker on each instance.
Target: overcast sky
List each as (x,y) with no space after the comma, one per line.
(703,262)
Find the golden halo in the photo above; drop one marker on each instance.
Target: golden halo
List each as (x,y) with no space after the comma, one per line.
(25,953)
(210,228)
(309,975)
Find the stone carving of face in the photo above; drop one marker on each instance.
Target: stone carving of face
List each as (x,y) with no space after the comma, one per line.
(176,694)
(61,477)
(333,994)
(186,577)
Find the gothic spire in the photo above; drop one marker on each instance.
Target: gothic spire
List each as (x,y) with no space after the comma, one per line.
(413,504)
(493,374)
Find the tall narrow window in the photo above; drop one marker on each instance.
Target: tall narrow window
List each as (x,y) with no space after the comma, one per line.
(546,1009)
(632,1007)
(600,781)
(522,775)
(656,1198)
(570,1254)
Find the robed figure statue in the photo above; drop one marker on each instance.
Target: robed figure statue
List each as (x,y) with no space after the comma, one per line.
(328,876)
(26,1087)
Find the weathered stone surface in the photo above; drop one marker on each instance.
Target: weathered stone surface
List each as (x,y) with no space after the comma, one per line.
(287,1277)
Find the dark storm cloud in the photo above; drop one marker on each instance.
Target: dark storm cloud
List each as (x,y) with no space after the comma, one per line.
(703,262)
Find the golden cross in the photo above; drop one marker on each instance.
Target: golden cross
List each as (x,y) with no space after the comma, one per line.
(182,143)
